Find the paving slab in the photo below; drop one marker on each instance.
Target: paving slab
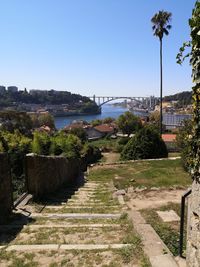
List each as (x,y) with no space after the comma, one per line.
(32,247)
(168,216)
(163,261)
(77,215)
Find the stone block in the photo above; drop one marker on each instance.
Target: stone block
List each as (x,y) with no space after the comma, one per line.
(6,200)
(168,216)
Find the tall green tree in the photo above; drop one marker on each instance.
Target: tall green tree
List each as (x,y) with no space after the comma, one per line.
(160,28)
(128,123)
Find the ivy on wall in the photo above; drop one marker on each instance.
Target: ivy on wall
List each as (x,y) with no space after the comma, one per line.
(193,140)
(194,157)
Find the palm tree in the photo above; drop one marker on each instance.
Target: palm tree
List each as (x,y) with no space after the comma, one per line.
(160,27)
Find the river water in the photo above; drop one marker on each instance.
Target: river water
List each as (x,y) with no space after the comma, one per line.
(107,111)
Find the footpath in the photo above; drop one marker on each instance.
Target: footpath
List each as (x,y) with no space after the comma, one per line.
(86,226)
(83,226)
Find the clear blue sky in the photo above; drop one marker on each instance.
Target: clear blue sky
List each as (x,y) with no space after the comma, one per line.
(102,47)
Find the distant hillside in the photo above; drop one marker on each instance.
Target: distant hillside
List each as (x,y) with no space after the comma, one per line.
(25,101)
(41,97)
(183,98)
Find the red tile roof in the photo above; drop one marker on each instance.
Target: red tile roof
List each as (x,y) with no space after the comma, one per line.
(169,137)
(104,128)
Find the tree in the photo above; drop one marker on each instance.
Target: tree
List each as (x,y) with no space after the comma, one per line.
(154,118)
(80,133)
(47,120)
(128,123)
(108,120)
(13,120)
(146,144)
(160,28)
(96,122)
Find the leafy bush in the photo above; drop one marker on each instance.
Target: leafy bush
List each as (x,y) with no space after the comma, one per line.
(121,143)
(68,145)
(146,144)
(17,146)
(39,120)
(13,120)
(80,133)
(64,144)
(41,143)
(182,140)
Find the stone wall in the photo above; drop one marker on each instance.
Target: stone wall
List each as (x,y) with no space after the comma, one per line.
(6,200)
(193,232)
(45,174)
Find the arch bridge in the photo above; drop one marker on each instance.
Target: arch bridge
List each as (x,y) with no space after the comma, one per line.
(146,102)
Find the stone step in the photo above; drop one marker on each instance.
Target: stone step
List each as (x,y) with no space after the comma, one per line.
(76,215)
(82,201)
(80,207)
(39,226)
(50,247)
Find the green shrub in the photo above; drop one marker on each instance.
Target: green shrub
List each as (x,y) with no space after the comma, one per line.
(41,143)
(17,146)
(68,145)
(80,133)
(182,141)
(121,143)
(146,144)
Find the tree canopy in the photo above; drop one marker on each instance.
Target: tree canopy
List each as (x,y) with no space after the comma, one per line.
(161,24)
(128,123)
(146,144)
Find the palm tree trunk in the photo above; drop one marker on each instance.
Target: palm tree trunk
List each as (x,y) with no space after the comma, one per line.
(161,87)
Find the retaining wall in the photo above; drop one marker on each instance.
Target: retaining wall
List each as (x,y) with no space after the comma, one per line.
(6,200)
(45,174)
(193,231)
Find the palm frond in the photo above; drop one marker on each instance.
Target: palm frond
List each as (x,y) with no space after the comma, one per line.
(161,24)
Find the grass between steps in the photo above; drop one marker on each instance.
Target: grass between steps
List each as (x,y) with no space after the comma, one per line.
(158,173)
(110,257)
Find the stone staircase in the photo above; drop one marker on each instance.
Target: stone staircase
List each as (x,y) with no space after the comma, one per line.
(83,226)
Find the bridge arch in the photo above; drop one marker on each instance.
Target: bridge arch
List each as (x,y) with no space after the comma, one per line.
(112,99)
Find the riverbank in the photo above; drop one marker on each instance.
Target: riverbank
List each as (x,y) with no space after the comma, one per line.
(107,111)
(68,114)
